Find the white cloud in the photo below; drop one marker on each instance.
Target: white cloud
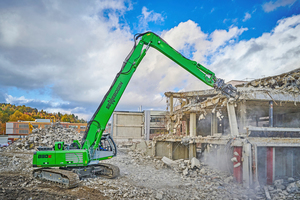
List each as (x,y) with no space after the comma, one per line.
(270,54)
(247,16)
(149,16)
(49,106)
(10,99)
(77,49)
(23,100)
(273,5)
(220,37)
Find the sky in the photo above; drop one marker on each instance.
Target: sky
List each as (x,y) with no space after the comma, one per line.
(62,56)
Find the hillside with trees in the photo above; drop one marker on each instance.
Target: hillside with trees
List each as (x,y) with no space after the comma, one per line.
(13,113)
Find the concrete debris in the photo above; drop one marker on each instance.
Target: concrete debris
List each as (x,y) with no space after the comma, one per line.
(157,180)
(45,137)
(159,195)
(144,146)
(195,163)
(169,162)
(13,162)
(237,165)
(185,141)
(202,116)
(219,115)
(202,171)
(267,192)
(228,179)
(288,82)
(291,179)
(236,153)
(282,189)
(292,187)
(185,172)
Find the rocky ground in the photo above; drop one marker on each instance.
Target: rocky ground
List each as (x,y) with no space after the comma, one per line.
(142,177)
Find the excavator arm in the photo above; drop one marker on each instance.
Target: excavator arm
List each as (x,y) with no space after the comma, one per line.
(143,41)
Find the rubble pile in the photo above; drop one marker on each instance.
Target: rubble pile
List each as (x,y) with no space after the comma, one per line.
(16,163)
(46,137)
(288,82)
(40,137)
(220,181)
(144,177)
(287,188)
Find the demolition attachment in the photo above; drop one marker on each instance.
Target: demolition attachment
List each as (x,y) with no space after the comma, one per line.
(226,89)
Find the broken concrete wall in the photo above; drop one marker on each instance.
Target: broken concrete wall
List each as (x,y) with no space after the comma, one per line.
(172,150)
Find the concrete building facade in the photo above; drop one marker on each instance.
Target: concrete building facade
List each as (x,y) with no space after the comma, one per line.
(256,137)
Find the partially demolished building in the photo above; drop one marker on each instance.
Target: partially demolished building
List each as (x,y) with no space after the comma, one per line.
(256,136)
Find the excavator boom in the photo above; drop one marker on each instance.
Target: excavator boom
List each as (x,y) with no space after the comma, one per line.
(100,118)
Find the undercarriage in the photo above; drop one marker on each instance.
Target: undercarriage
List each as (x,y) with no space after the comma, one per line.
(69,177)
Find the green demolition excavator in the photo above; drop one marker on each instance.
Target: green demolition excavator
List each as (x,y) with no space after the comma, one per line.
(66,164)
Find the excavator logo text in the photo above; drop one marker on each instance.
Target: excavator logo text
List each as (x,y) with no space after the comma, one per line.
(112,99)
(44,156)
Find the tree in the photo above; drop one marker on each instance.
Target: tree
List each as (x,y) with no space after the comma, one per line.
(15,117)
(3,128)
(65,118)
(21,108)
(4,118)
(26,117)
(20,116)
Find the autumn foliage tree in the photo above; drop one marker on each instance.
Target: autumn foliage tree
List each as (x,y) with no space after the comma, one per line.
(20,116)
(9,112)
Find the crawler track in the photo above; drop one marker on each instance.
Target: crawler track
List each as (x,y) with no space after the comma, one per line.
(64,178)
(110,171)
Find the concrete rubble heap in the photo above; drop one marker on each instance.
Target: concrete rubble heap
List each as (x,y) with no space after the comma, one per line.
(156,178)
(39,137)
(46,137)
(220,182)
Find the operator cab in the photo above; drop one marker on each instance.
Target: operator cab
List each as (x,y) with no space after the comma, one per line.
(105,143)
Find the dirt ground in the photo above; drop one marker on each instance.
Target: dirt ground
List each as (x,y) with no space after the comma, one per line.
(15,184)
(141,177)
(12,187)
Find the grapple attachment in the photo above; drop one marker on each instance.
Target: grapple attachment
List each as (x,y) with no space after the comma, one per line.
(226,89)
